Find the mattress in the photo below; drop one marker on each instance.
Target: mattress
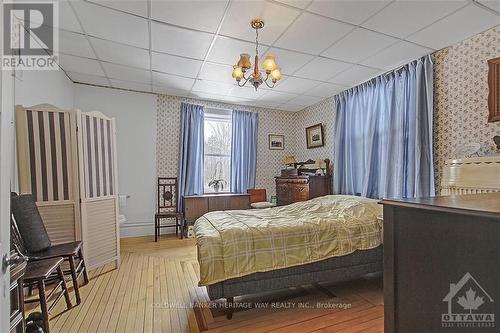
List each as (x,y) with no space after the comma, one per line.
(237,243)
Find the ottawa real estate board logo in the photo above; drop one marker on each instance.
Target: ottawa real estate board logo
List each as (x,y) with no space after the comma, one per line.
(469,305)
(30,39)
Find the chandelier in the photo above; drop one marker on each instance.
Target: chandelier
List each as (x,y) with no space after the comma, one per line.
(255,77)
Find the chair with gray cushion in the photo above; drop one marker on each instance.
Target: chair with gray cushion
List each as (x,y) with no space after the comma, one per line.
(36,242)
(258,198)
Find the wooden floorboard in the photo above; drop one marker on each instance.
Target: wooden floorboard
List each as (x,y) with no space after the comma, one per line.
(156,286)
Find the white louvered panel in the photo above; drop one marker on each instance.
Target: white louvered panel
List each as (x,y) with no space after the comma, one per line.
(101,230)
(59,222)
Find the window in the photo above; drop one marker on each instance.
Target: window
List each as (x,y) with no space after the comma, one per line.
(217,159)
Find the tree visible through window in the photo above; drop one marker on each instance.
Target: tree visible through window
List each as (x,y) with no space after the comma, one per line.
(217,159)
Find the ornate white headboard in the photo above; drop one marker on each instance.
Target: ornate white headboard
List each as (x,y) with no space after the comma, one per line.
(471,175)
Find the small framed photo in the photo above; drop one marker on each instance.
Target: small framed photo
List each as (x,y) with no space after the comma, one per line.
(276,142)
(314,136)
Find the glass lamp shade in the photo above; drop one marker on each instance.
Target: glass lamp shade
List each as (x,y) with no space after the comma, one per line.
(275,74)
(269,63)
(290,160)
(237,73)
(244,62)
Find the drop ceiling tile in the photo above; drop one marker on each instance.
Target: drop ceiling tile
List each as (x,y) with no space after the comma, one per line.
(89,79)
(296,3)
(137,86)
(66,18)
(291,107)
(137,7)
(402,18)
(492,4)
(75,44)
(212,87)
(295,85)
(396,55)
(247,92)
(353,12)
(325,90)
(358,45)
(178,41)
(197,14)
(217,72)
(305,100)
(172,81)
(312,34)
(126,73)
(80,65)
(204,95)
(112,25)
(355,75)
(322,69)
(266,105)
(273,96)
(227,51)
(120,53)
(276,17)
(236,100)
(175,65)
(289,61)
(170,91)
(460,25)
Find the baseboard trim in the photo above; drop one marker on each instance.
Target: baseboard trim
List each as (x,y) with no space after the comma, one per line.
(139,229)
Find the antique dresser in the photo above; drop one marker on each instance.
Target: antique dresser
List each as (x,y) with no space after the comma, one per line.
(290,189)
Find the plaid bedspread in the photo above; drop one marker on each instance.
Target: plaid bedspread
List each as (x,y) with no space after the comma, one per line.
(241,242)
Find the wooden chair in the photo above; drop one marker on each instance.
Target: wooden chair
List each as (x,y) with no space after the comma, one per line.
(37,274)
(166,207)
(258,198)
(27,227)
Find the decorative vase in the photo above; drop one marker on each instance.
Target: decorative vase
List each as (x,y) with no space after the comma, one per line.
(216,187)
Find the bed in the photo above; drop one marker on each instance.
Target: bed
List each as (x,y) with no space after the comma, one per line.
(332,238)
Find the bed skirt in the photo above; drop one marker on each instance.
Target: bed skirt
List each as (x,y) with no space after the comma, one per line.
(336,269)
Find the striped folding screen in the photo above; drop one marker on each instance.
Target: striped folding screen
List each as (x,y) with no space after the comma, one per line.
(98,154)
(67,159)
(47,153)
(48,157)
(98,188)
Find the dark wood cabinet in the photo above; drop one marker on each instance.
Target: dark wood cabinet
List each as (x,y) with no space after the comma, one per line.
(197,205)
(300,188)
(441,264)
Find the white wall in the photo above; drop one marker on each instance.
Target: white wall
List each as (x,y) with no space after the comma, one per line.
(37,87)
(135,115)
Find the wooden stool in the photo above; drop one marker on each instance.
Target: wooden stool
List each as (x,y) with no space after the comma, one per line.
(71,252)
(37,272)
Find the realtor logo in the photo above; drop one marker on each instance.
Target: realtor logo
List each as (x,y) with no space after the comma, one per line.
(30,40)
(469,305)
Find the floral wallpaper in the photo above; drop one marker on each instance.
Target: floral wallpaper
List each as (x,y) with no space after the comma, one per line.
(461,96)
(269,162)
(324,113)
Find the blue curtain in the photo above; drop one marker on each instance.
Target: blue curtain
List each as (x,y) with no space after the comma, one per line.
(383,137)
(191,151)
(243,151)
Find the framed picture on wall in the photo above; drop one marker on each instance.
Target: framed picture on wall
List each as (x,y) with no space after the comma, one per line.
(314,136)
(494,89)
(276,142)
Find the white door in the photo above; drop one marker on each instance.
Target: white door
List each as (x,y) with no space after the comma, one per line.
(6,157)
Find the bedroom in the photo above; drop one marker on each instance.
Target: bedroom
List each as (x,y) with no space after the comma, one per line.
(156,113)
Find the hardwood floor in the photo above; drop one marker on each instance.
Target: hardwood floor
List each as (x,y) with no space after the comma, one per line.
(155,281)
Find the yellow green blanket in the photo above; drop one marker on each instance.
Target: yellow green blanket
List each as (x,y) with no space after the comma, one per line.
(241,242)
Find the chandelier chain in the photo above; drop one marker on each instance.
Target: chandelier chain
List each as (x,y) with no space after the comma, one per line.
(257,41)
